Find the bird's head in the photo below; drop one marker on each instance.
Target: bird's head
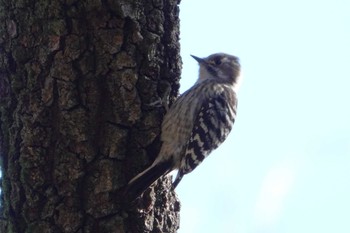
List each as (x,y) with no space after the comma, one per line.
(220,66)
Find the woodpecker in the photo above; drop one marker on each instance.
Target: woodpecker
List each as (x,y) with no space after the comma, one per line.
(196,124)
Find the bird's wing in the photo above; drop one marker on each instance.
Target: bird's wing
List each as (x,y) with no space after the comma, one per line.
(211,127)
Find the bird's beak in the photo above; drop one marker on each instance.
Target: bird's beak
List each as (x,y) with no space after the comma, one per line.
(198,59)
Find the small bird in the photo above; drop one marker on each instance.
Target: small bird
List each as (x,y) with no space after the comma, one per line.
(196,124)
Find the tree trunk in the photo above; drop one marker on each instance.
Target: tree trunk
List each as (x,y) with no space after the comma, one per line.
(77,83)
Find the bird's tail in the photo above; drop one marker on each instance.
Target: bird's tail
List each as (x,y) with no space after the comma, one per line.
(142,181)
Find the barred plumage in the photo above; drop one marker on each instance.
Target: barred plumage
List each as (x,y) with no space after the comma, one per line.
(197,123)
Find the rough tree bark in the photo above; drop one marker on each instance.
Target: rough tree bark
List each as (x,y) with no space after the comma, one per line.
(76,82)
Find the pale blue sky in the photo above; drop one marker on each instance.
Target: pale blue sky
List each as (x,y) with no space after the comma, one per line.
(285,168)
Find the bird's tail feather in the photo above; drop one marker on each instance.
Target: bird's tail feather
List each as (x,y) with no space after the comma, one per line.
(142,181)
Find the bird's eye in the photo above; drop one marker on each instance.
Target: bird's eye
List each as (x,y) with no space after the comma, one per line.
(217,61)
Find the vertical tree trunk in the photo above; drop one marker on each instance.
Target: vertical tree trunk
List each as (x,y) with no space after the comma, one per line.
(76,82)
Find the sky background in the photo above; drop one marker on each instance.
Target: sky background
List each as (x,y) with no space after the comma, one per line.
(285,168)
